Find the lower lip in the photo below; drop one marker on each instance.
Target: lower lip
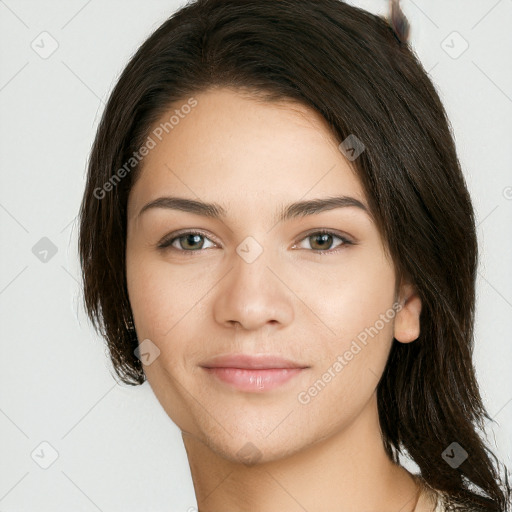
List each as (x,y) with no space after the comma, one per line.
(254,380)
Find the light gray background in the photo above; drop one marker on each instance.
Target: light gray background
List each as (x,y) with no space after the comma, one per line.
(117,449)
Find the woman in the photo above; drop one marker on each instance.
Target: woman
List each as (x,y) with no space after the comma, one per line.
(277,235)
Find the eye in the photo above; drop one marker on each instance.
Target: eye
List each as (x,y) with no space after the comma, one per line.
(323,240)
(189,241)
(193,241)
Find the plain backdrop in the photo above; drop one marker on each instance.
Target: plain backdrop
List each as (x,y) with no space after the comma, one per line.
(111,447)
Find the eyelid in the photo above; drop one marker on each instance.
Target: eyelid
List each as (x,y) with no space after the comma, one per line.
(168,240)
(340,234)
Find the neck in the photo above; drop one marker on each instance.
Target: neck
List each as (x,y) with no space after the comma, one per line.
(347,471)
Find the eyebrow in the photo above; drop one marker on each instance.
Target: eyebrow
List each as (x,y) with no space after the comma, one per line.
(291,211)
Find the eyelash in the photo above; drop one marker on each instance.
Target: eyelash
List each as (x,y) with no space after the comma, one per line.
(167,242)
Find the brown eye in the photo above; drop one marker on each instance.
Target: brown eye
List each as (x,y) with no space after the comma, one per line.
(322,241)
(191,241)
(184,242)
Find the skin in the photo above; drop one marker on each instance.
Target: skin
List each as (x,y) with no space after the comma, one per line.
(253,157)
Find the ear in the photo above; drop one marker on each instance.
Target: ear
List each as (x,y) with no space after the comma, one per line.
(407,319)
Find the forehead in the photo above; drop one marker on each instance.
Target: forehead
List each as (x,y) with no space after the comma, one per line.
(241,151)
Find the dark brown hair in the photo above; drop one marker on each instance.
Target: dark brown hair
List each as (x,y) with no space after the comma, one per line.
(360,73)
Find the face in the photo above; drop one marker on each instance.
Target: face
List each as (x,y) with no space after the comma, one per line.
(315,288)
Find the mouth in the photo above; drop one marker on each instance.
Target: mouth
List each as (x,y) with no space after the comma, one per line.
(255,380)
(253,373)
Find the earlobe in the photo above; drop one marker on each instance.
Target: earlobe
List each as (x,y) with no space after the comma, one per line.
(407,320)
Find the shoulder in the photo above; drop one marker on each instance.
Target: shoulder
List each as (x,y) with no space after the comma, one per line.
(430,501)
(433,500)
(440,504)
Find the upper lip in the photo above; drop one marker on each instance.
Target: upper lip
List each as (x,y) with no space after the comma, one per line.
(246,361)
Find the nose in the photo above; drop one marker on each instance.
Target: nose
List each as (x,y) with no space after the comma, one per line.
(253,295)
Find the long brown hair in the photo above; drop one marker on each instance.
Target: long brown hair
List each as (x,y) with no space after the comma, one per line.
(360,73)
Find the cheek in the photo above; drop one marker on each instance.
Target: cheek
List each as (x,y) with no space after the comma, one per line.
(161,295)
(350,296)
(347,377)
(149,297)
(357,306)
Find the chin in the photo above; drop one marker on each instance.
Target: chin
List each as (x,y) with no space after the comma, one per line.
(253,450)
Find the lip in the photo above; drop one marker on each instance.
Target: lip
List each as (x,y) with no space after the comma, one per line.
(254,380)
(252,362)
(257,373)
